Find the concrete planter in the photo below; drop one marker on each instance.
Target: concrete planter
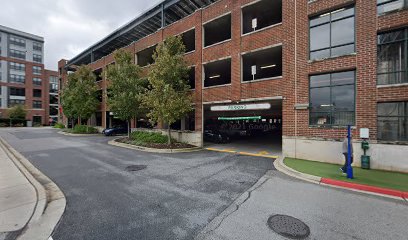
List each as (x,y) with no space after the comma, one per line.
(77,134)
(153,150)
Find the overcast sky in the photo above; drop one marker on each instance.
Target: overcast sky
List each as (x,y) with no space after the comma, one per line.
(69,26)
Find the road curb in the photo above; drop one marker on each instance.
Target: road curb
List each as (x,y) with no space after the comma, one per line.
(280,166)
(361,188)
(51,201)
(77,134)
(153,150)
(366,188)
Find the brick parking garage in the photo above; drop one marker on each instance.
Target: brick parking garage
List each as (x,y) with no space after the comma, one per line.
(320,65)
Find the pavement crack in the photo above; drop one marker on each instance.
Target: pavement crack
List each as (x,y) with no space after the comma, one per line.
(237,206)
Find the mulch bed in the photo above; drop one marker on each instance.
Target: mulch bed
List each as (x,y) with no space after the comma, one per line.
(174,145)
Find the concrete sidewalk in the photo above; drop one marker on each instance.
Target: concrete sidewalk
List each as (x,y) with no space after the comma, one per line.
(323,209)
(18,197)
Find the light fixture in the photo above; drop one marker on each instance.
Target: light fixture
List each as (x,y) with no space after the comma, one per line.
(215,76)
(268,66)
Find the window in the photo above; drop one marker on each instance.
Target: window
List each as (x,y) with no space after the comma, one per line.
(262,64)
(53,110)
(17,66)
(37,81)
(145,57)
(332,99)
(37,104)
(17,92)
(217,73)
(98,74)
(53,79)
(16,78)
(37,46)
(384,6)
(15,102)
(392,121)
(392,57)
(212,32)
(188,39)
(99,95)
(53,99)
(332,34)
(17,54)
(37,70)
(37,58)
(17,41)
(37,93)
(261,15)
(191,77)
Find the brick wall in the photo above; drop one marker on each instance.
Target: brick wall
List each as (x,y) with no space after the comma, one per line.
(293,86)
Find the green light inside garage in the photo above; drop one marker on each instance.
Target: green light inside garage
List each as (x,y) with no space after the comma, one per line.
(239,118)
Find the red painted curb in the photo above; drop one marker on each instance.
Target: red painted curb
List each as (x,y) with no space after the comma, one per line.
(366,188)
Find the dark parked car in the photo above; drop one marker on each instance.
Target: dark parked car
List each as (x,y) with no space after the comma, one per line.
(115,130)
(215,136)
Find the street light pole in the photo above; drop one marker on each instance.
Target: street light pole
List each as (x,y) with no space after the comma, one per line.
(349,168)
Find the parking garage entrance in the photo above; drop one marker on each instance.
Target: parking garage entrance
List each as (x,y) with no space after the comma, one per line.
(250,127)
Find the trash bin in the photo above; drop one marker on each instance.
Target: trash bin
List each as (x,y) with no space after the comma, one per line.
(365,162)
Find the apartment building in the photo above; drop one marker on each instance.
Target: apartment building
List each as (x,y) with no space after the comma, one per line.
(23,79)
(297,71)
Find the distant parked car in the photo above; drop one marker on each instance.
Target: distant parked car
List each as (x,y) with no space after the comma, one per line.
(215,136)
(115,130)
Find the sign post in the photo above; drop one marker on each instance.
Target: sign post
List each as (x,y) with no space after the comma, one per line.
(349,168)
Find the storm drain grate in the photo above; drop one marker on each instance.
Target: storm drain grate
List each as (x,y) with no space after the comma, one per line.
(133,168)
(288,226)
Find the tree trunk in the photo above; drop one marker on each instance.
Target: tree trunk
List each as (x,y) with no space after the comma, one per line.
(169,135)
(128,121)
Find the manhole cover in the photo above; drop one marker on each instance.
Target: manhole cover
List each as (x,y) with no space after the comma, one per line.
(288,226)
(133,168)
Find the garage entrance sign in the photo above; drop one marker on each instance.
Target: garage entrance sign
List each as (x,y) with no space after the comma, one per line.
(239,118)
(256,106)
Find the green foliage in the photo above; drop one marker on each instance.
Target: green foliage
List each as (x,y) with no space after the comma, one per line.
(59,125)
(126,88)
(169,98)
(84,129)
(79,95)
(141,137)
(17,112)
(5,122)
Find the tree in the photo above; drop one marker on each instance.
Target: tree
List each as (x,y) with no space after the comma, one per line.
(126,87)
(79,96)
(17,112)
(68,95)
(168,99)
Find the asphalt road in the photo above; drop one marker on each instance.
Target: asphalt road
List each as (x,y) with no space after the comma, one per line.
(175,197)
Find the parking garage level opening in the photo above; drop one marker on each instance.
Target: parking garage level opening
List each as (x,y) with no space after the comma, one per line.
(254,127)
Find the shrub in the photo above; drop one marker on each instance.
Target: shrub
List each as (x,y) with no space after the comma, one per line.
(148,137)
(59,125)
(84,129)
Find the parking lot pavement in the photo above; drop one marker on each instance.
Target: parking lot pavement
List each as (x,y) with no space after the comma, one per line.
(328,212)
(173,198)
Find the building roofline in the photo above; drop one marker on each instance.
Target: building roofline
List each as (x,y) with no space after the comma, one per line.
(21,33)
(130,26)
